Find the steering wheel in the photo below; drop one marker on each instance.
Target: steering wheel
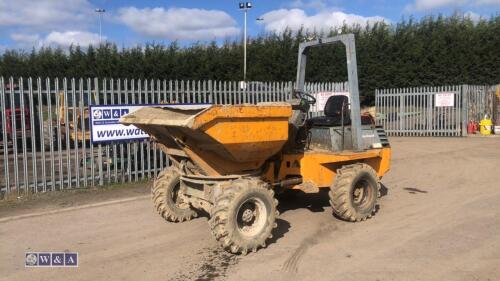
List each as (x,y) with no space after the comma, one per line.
(306,97)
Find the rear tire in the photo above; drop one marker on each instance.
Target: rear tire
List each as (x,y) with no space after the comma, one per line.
(243,215)
(354,193)
(165,197)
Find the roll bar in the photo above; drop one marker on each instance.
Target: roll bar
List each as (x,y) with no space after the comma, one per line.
(352,75)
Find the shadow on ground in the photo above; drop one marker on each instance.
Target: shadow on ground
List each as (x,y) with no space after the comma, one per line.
(279,232)
(314,202)
(383,190)
(297,199)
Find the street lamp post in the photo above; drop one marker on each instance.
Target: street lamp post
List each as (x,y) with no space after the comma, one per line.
(100,12)
(245,6)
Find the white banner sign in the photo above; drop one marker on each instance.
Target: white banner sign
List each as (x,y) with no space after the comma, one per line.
(105,122)
(445,99)
(322,98)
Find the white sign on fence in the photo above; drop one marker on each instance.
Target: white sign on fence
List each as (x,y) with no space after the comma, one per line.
(322,98)
(445,99)
(105,122)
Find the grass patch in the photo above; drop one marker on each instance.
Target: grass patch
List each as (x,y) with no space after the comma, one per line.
(14,199)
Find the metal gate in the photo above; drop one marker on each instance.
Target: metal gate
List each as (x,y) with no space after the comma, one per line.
(483,100)
(425,111)
(435,111)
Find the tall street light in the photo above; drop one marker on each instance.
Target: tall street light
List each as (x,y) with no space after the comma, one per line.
(100,12)
(245,6)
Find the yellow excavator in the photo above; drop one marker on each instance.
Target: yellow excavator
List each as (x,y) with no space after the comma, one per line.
(73,115)
(231,160)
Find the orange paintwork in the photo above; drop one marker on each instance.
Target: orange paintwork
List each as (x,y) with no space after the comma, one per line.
(319,167)
(254,133)
(250,140)
(245,135)
(235,112)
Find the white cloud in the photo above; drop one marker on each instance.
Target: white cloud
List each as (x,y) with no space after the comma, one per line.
(473,16)
(67,38)
(28,38)
(427,5)
(36,23)
(294,19)
(179,23)
(56,38)
(45,14)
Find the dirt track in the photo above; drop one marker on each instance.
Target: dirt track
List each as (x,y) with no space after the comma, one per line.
(439,219)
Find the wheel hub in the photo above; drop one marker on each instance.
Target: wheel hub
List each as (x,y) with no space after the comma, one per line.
(361,194)
(251,216)
(248,215)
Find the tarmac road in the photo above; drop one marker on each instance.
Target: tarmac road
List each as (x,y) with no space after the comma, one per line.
(439,219)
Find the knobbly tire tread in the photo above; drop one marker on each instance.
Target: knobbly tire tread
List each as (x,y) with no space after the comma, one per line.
(223,211)
(161,186)
(341,189)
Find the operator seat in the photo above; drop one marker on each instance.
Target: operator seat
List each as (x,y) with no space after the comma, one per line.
(333,113)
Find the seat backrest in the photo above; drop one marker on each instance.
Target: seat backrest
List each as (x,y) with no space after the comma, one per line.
(333,106)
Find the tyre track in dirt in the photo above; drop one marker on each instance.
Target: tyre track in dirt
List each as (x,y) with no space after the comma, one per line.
(212,264)
(292,262)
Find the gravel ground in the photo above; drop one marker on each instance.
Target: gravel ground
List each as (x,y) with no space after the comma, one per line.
(439,219)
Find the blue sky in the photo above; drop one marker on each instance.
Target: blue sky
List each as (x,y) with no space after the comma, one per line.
(26,24)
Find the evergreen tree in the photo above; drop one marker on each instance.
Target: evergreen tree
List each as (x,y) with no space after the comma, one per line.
(433,51)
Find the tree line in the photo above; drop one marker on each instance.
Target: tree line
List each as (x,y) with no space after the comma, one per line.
(428,52)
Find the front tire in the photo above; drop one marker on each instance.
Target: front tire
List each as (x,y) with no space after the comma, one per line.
(244,215)
(166,198)
(354,193)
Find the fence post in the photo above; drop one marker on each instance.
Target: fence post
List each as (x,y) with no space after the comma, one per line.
(4,135)
(465,109)
(401,105)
